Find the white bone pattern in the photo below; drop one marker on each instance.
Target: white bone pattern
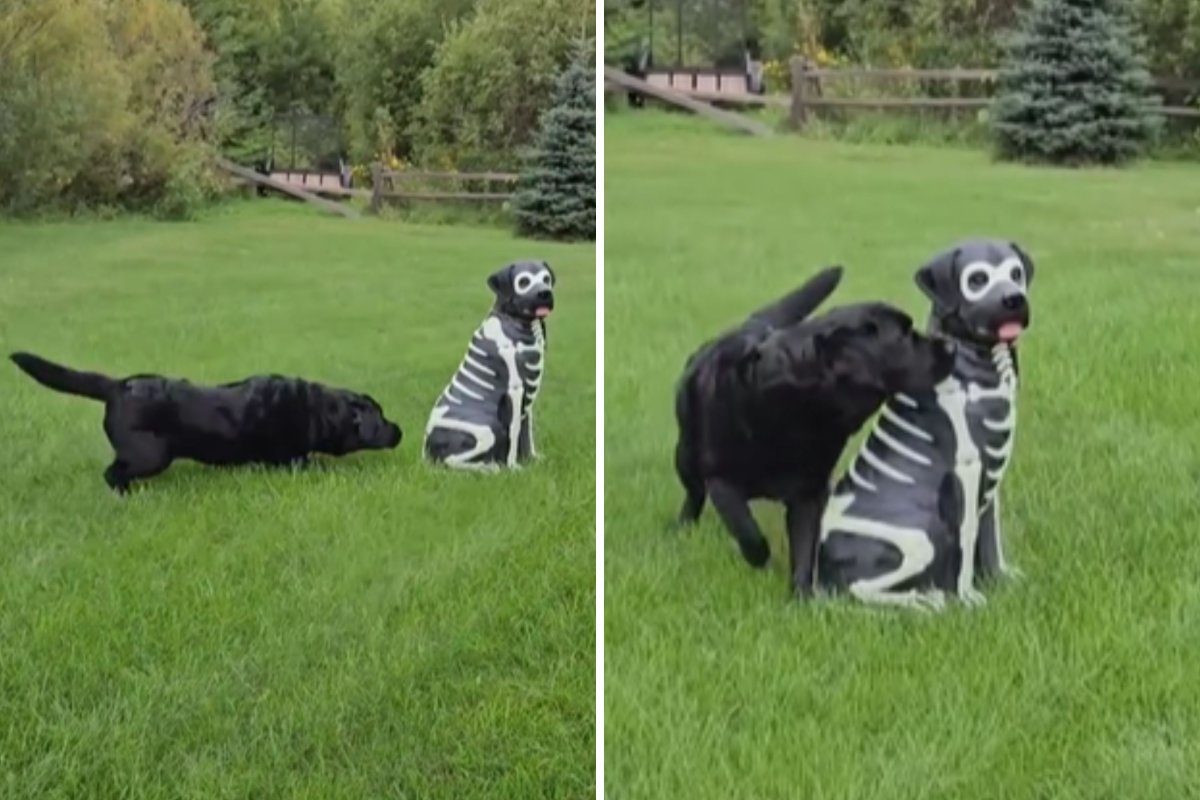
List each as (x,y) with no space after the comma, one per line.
(502,359)
(1001,431)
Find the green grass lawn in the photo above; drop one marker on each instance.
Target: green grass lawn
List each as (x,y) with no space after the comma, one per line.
(1079,682)
(369,628)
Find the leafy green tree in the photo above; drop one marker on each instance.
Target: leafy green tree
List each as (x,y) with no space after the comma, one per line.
(557,196)
(491,77)
(387,45)
(274,57)
(1074,89)
(1172,30)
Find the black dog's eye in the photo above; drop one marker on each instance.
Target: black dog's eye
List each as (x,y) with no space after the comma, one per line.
(977,280)
(1018,275)
(871,329)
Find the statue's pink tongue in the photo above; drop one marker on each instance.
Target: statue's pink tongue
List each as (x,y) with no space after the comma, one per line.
(542,312)
(1009,331)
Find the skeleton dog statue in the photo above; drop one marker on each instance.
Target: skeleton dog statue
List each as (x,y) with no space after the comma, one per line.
(917,514)
(484,417)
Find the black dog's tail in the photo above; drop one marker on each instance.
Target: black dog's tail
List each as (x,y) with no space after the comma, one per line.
(801,302)
(64,379)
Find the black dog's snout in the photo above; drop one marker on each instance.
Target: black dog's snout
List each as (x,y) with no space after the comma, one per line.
(1013,302)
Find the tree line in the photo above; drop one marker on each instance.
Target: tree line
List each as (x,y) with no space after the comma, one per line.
(121,105)
(881,33)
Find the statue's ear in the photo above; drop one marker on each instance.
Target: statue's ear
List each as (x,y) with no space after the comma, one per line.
(938,279)
(500,281)
(1026,261)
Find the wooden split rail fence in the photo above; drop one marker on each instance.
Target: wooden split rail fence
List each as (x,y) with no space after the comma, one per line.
(407,186)
(809,85)
(807,90)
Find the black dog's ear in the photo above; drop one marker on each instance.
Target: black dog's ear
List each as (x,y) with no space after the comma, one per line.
(500,281)
(898,317)
(938,281)
(749,356)
(1025,260)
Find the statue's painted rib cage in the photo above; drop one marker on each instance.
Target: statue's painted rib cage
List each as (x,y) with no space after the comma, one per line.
(504,360)
(893,487)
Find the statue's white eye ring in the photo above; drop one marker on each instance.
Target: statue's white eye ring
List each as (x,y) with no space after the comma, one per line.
(975,281)
(546,278)
(1018,275)
(523,283)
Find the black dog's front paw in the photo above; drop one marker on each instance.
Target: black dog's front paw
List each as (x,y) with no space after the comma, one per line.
(116,481)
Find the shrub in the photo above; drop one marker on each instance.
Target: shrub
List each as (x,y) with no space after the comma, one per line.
(273,57)
(1074,88)
(98,101)
(557,196)
(388,44)
(492,75)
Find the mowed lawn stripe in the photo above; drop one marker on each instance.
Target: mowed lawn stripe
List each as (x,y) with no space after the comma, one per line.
(1074,683)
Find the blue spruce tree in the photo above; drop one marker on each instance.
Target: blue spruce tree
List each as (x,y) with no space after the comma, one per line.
(1074,89)
(556,198)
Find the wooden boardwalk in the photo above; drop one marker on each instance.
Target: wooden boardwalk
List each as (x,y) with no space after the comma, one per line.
(727,118)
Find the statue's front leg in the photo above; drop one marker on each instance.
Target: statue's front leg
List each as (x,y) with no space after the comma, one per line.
(526,449)
(989,556)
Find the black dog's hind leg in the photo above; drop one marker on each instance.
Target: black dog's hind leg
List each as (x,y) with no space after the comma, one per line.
(734,509)
(689,475)
(804,533)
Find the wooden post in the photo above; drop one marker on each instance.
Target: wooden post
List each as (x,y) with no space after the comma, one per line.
(799,114)
(376,187)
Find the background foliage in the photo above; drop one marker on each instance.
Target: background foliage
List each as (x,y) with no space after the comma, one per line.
(492,76)
(918,33)
(106,104)
(101,104)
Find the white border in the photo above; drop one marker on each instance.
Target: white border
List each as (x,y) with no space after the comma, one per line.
(599,401)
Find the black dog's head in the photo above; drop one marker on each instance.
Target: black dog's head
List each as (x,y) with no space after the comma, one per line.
(358,423)
(978,289)
(873,348)
(524,290)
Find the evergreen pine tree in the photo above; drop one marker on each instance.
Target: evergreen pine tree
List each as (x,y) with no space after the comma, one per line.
(556,198)
(1074,88)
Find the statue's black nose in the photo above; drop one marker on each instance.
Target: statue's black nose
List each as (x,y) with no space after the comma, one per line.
(544,294)
(1013,302)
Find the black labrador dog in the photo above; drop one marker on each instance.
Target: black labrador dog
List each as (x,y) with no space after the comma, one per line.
(151,420)
(765,410)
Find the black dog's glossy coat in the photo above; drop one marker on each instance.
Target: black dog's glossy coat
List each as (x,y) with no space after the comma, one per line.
(151,420)
(765,410)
